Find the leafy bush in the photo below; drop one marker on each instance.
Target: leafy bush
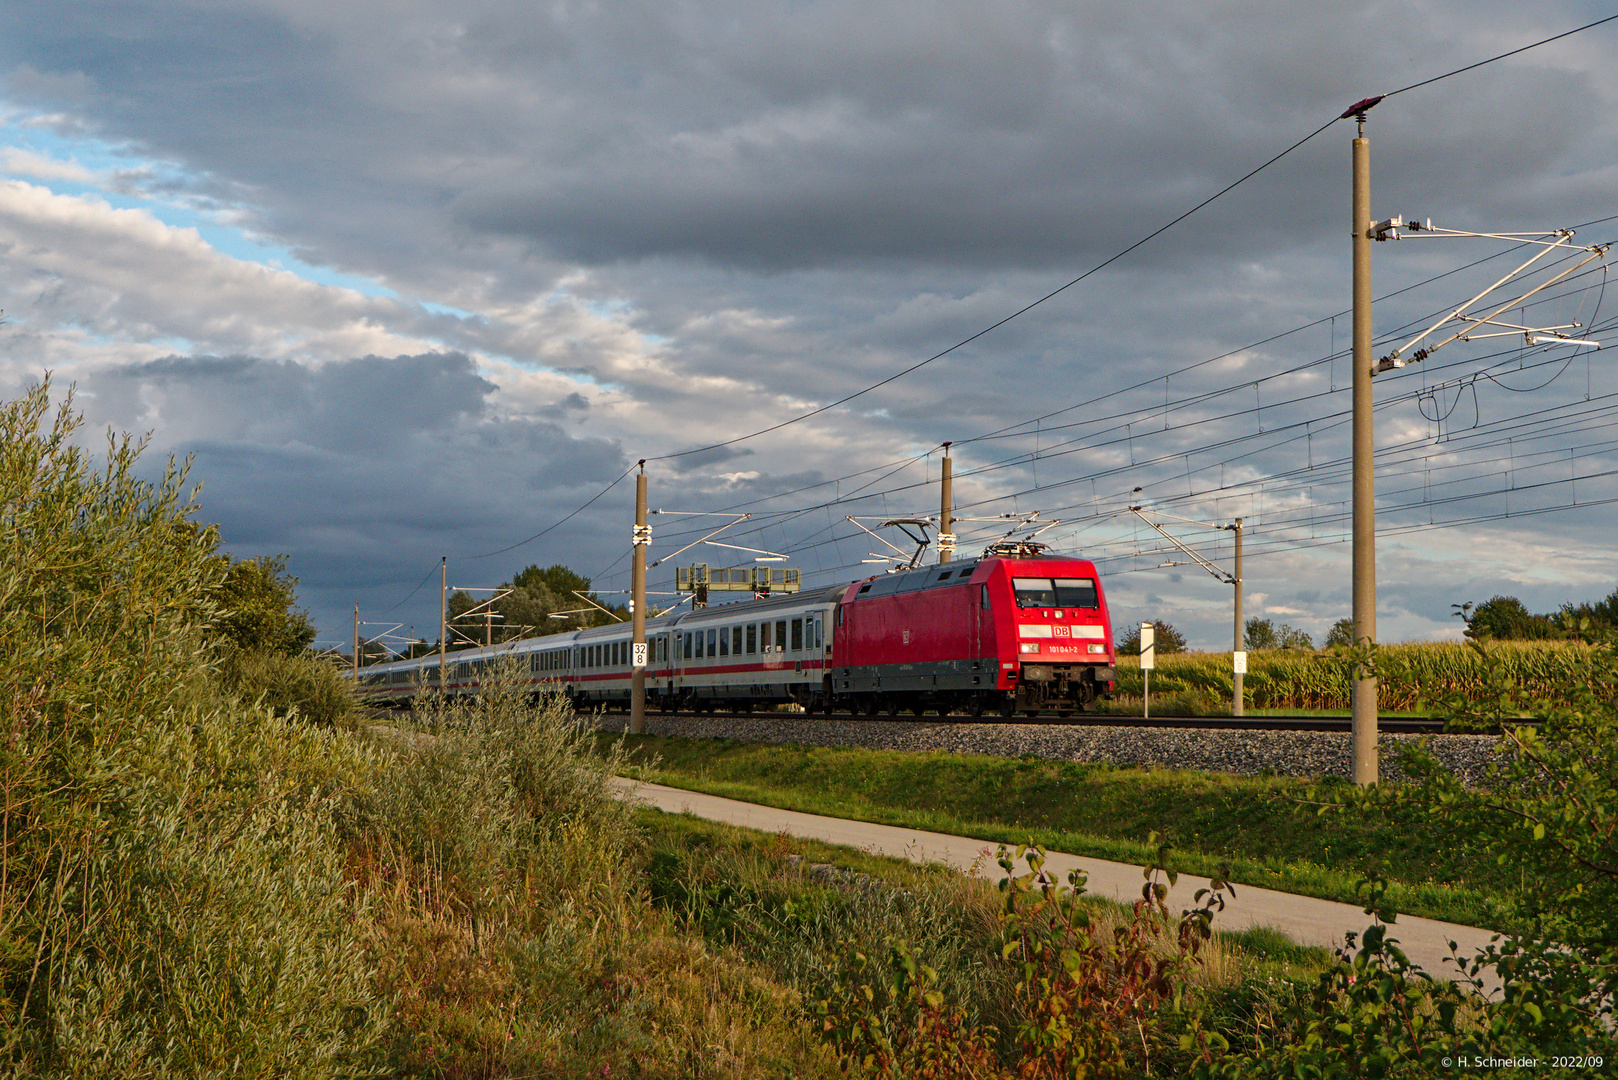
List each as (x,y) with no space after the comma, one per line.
(1085,1003)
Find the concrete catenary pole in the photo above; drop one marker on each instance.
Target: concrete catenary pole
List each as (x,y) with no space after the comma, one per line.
(1365,688)
(641,539)
(946,511)
(1237,698)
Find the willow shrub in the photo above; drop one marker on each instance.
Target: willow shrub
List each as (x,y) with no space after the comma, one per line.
(305,684)
(172,896)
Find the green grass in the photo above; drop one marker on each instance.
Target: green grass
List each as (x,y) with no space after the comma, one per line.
(1263,827)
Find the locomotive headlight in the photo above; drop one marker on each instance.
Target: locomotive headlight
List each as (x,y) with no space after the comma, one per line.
(1098,648)
(1028,646)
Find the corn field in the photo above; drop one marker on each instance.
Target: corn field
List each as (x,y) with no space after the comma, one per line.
(1415,676)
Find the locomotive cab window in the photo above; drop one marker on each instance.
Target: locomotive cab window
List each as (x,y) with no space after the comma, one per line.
(1077,593)
(1034,592)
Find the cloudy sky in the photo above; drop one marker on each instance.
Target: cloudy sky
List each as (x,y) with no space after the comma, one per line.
(422,279)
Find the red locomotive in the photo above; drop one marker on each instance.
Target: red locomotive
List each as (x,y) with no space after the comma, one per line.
(1017,630)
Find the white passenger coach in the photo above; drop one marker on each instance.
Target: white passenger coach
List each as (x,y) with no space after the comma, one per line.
(734,656)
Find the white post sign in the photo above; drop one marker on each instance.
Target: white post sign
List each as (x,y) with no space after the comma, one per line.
(1239,662)
(639,657)
(1148,660)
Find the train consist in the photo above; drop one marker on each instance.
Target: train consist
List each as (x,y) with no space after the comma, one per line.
(1017,630)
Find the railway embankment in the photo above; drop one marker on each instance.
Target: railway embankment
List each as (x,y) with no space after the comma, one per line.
(1246,752)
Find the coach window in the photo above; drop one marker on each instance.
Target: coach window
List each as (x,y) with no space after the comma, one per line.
(712,644)
(797,635)
(736,640)
(752,638)
(698,636)
(724,641)
(780,635)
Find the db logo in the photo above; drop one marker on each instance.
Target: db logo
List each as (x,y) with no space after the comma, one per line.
(1062,631)
(905,636)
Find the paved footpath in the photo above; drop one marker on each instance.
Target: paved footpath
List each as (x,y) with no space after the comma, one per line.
(1305,919)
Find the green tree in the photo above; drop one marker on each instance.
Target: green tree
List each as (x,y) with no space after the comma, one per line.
(1602,615)
(1340,634)
(1166,640)
(1290,637)
(1259,633)
(532,597)
(257,607)
(1506,619)
(1262,634)
(557,580)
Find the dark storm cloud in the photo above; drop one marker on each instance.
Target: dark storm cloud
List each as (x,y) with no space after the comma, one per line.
(354,468)
(763,136)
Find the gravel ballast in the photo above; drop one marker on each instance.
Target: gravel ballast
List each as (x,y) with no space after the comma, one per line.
(1284,753)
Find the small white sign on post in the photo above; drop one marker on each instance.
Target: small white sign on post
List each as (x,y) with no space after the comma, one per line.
(1238,662)
(1148,660)
(638,659)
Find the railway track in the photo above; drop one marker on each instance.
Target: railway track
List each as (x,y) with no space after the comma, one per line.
(1388,725)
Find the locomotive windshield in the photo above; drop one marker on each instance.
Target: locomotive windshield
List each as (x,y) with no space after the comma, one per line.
(1061,592)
